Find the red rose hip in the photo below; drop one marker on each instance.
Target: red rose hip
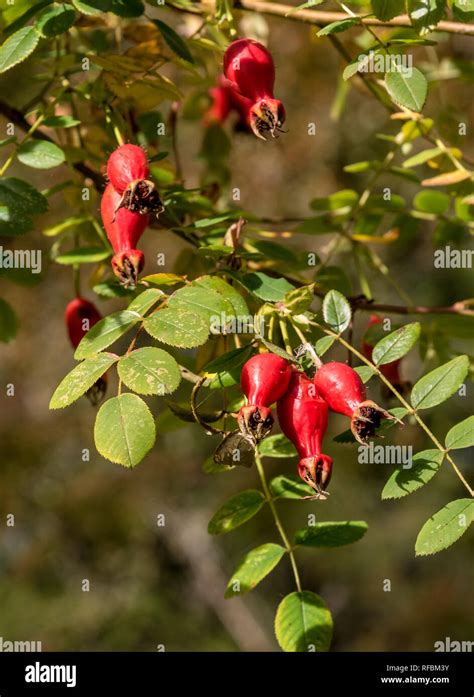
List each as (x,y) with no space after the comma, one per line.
(80,316)
(344,391)
(124,229)
(303,418)
(226,100)
(249,67)
(264,380)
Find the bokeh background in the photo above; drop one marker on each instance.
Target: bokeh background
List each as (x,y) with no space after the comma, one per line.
(154,585)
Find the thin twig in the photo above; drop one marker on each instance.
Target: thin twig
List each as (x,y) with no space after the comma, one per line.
(277,520)
(322,18)
(197,417)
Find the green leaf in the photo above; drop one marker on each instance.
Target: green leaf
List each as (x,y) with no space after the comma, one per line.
(407,88)
(341,201)
(353,67)
(55,20)
(397,344)
(126,8)
(299,299)
(278,351)
(336,311)
(404,173)
(225,370)
(210,466)
(402,481)
(150,370)
(445,527)
(145,301)
(461,435)
(111,289)
(84,255)
(425,14)
(265,287)
(365,372)
(324,344)
(61,122)
(232,295)
(174,41)
(80,379)
(21,197)
(303,623)
(236,511)
(422,157)
(92,7)
(75,221)
(331,534)
(438,385)
(289,487)
(163,279)
(8,141)
(209,222)
(277,446)
(203,301)
(18,47)
(11,225)
(124,430)
(272,251)
(105,332)
(336,27)
(463,10)
(388,9)
(363,166)
(449,231)
(178,326)
(378,203)
(334,278)
(432,202)
(25,17)
(253,568)
(8,322)
(40,154)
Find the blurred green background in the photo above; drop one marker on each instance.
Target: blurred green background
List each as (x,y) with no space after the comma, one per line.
(154,585)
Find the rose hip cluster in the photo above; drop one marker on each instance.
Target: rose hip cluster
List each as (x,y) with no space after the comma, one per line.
(302,407)
(128,199)
(247,88)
